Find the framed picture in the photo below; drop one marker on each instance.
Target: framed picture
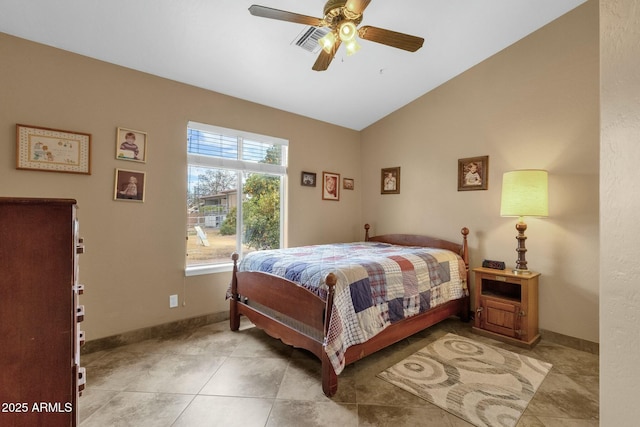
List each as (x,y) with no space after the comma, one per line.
(330,186)
(129,185)
(52,150)
(131,145)
(473,173)
(390,181)
(347,183)
(308,179)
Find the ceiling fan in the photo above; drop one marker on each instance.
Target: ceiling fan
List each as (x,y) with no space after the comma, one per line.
(342,18)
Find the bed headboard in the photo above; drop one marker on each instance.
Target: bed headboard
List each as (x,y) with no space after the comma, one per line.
(418,240)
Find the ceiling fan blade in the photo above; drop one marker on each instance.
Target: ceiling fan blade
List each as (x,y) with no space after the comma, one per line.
(357,6)
(283,15)
(324,59)
(391,38)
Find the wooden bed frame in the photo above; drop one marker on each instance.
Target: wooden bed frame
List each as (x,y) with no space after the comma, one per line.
(297,317)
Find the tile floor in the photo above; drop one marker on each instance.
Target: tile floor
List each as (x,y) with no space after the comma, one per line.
(211,376)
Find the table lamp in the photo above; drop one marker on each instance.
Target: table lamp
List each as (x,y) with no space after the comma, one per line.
(524,193)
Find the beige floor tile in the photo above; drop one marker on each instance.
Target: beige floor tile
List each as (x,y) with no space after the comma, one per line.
(397,416)
(139,410)
(177,373)
(559,396)
(566,422)
(215,411)
(117,369)
(289,413)
(93,399)
(259,344)
(248,377)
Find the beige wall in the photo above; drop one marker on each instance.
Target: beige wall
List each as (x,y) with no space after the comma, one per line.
(135,252)
(619,206)
(533,105)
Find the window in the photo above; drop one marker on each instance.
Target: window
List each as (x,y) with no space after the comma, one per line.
(235,195)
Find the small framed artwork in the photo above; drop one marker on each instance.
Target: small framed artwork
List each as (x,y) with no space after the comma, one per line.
(390,181)
(308,179)
(52,150)
(473,173)
(330,186)
(129,185)
(347,183)
(131,145)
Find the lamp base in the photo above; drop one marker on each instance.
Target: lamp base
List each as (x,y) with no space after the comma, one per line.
(521,263)
(520,271)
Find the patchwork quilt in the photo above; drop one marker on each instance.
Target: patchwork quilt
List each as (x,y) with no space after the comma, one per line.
(378,284)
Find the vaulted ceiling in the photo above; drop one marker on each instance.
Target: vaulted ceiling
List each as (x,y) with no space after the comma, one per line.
(218,45)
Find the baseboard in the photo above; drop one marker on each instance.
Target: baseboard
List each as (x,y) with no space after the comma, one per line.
(165,329)
(571,342)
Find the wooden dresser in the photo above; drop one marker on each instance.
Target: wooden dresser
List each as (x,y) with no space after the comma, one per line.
(40,374)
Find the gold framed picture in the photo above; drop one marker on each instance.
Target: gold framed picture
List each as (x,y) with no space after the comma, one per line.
(131,145)
(390,181)
(347,183)
(473,173)
(129,185)
(330,186)
(308,179)
(52,150)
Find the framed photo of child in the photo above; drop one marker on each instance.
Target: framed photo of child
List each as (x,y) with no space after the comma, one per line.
(347,183)
(330,186)
(131,145)
(390,180)
(473,173)
(129,185)
(308,179)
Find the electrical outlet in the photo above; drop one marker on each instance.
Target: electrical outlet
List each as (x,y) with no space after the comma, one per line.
(173,301)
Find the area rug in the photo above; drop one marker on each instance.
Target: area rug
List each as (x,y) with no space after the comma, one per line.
(482,384)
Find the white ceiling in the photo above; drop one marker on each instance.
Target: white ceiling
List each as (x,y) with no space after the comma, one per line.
(219,45)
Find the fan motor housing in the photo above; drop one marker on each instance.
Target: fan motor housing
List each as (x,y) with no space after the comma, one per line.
(333,4)
(335,12)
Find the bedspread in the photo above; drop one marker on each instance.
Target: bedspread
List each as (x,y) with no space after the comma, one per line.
(378,284)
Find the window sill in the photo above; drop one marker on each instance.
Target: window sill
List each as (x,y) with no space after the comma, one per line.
(198,270)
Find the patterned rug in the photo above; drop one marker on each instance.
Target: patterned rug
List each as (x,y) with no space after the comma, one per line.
(484,385)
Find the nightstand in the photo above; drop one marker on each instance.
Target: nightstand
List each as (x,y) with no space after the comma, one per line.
(507,306)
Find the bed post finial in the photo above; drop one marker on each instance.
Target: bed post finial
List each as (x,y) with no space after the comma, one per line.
(331,281)
(366,232)
(465,246)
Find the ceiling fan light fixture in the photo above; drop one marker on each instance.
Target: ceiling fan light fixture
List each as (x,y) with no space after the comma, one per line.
(352,47)
(347,31)
(327,41)
(341,19)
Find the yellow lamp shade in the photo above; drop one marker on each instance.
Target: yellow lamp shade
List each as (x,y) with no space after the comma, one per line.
(525,193)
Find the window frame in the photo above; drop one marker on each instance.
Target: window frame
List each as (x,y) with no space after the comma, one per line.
(241,167)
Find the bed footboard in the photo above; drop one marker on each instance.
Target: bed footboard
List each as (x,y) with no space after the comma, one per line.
(284,310)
